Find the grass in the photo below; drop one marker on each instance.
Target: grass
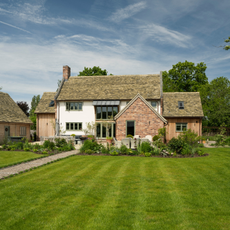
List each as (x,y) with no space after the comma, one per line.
(104,192)
(8,158)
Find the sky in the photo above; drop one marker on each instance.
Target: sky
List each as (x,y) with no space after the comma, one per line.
(39,37)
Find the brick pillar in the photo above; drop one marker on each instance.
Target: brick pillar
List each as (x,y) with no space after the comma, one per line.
(66,72)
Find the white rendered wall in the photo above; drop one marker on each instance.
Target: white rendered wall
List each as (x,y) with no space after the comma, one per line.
(86,115)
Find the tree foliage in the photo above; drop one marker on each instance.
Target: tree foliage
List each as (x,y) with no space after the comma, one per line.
(24,107)
(227,47)
(215,98)
(33,116)
(95,71)
(184,77)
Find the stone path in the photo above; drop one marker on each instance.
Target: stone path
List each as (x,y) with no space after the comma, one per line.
(5,172)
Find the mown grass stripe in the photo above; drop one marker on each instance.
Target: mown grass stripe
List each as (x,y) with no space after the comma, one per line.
(54,191)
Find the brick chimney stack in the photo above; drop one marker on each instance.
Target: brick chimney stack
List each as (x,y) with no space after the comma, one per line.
(66,72)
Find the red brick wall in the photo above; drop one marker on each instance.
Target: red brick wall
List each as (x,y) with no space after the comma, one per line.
(146,122)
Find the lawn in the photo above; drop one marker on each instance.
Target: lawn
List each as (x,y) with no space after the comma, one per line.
(106,192)
(13,157)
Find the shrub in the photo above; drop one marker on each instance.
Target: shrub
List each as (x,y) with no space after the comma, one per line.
(190,137)
(147,154)
(227,141)
(37,146)
(124,150)
(145,147)
(35,150)
(26,149)
(156,151)
(44,152)
(176,145)
(89,151)
(187,150)
(129,136)
(114,152)
(19,145)
(104,150)
(200,152)
(4,146)
(88,144)
(156,137)
(60,142)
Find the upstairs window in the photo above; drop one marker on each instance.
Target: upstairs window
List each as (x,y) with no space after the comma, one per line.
(106,112)
(180,104)
(74,106)
(153,104)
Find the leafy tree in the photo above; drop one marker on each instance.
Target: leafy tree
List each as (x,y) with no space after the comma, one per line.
(23,106)
(227,47)
(33,116)
(0,88)
(58,83)
(215,98)
(184,77)
(95,71)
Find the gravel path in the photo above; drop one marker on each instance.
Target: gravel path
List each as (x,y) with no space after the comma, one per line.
(5,172)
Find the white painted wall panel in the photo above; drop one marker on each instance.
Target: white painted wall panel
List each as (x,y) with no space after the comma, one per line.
(86,115)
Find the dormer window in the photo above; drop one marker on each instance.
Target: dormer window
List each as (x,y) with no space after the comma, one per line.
(51,104)
(180,104)
(154,104)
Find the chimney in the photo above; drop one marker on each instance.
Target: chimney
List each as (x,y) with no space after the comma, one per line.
(66,72)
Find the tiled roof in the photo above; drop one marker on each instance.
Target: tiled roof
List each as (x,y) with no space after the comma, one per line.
(147,103)
(192,104)
(10,111)
(43,105)
(122,87)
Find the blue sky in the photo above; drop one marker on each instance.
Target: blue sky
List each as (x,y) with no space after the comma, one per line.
(38,37)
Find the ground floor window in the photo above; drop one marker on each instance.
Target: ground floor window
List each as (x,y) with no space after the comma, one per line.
(22,131)
(180,127)
(75,126)
(130,128)
(105,129)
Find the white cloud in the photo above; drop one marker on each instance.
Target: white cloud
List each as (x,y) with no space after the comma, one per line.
(163,35)
(127,12)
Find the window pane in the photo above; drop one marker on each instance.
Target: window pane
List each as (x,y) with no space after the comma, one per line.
(184,127)
(80,106)
(115,111)
(76,106)
(67,126)
(154,104)
(110,112)
(98,111)
(80,126)
(71,126)
(67,106)
(75,126)
(98,130)
(178,127)
(71,105)
(130,128)
(110,130)
(103,131)
(104,112)
(114,130)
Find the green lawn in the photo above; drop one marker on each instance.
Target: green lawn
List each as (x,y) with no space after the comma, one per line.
(12,157)
(105,192)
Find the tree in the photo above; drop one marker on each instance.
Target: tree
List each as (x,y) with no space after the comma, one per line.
(33,116)
(227,47)
(215,98)
(95,71)
(23,106)
(58,83)
(184,77)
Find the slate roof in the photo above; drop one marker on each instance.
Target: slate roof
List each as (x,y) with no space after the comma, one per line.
(147,103)
(43,105)
(192,104)
(120,87)
(10,111)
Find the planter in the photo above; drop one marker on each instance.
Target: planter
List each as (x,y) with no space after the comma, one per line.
(109,141)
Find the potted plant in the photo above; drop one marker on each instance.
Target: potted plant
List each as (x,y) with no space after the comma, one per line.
(109,140)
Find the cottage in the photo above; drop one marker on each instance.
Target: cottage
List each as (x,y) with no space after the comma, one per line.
(121,105)
(13,121)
